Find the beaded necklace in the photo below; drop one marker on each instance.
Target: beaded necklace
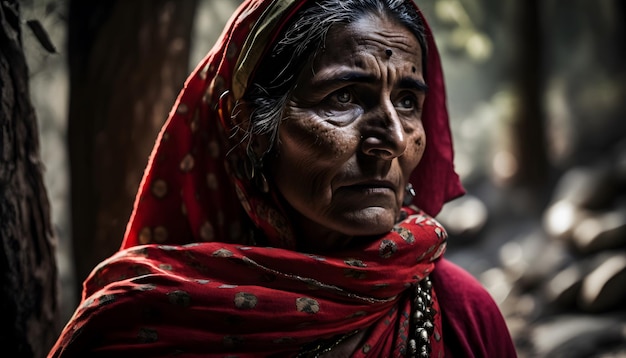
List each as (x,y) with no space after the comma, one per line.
(422,326)
(422,320)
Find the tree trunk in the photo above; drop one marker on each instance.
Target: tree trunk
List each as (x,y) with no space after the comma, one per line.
(128,60)
(528,132)
(29,300)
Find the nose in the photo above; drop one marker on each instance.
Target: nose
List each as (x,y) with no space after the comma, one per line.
(383,135)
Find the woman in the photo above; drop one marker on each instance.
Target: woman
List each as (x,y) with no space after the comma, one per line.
(285,209)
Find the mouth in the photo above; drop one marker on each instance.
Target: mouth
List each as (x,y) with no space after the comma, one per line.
(372,187)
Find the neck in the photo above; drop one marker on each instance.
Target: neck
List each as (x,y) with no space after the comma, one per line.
(314,238)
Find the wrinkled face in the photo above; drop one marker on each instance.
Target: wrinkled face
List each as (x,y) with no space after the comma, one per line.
(352,133)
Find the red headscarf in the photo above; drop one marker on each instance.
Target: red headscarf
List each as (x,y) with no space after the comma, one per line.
(198,285)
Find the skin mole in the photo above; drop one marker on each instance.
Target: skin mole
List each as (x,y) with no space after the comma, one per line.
(319,135)
(330,139)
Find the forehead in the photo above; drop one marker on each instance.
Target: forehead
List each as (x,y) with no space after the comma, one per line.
(369,38)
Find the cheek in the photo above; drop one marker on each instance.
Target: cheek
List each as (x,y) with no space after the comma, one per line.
(315,139)
(420,144)
(415,152)
(338,146)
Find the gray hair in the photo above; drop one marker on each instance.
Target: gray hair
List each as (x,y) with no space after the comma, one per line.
(271,88)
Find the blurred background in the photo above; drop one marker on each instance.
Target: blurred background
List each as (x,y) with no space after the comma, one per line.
(537,99)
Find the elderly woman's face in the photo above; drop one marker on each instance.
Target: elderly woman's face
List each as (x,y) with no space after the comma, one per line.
(352,132)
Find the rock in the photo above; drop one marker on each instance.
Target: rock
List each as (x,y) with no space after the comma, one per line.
(562,290)
(533,258)
(619,163)
(604,288)
(585,187)
(561,217)
(600,231)
(574,336)
(464,217)
(495,282)
(525,306)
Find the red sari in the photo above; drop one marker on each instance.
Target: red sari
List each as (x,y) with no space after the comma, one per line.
(193,278)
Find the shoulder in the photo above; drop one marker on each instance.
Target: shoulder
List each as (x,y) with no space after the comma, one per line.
(472,322)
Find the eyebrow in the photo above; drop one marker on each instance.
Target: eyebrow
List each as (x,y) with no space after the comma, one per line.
(412,83)
(356,77)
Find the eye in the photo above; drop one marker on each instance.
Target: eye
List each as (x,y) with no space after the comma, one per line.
(407,102)
(343,96)
(341,106)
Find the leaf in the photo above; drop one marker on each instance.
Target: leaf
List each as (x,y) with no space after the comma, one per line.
(42,35)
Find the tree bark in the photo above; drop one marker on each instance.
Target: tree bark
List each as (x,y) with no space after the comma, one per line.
(128,60)
(528,132)
(29,300)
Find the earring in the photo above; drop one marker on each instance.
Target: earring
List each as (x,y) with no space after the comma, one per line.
(261,182)
(254,172)
(409,195)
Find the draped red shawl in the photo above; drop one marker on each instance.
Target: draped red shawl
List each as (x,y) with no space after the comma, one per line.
(191,279)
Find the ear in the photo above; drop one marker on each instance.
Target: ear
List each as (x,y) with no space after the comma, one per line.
(260,144)
(241,115)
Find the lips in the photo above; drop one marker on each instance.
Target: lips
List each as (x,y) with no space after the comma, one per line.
(371,186)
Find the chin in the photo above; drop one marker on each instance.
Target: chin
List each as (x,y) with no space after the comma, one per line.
(368,223)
